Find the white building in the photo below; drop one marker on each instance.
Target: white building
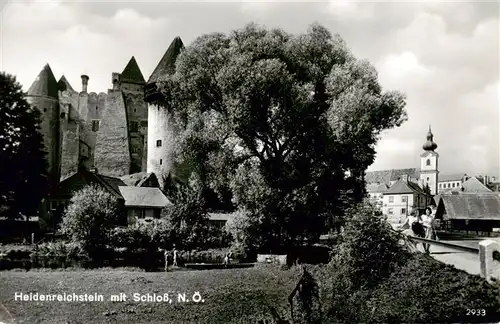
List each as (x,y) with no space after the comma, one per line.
(402,198)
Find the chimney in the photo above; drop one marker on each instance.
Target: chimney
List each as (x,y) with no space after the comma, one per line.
(115,79)
(85,82)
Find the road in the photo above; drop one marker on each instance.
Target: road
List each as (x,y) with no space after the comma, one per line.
(461,260)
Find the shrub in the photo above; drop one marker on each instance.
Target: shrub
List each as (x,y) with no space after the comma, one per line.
(59,255)
(427,291)
(89,219)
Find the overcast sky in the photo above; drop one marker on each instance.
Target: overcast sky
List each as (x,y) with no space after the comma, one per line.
(444,56)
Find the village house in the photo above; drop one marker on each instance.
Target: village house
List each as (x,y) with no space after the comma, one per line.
(143,203)
(451,181)
(402,198)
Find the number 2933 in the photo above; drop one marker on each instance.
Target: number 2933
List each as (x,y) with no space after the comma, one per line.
(476,312)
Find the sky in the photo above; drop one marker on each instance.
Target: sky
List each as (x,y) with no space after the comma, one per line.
(443,55)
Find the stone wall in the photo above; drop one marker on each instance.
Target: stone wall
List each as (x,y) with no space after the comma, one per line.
(112,155)
(137,112)
(70,133)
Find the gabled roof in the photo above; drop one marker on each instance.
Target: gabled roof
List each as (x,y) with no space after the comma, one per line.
(141,179)
(474,185)
(45,84)
(167,62)
(376,188)
(386,176)
(63,84)
(144,197)
(485,206)
(451,177)
(83,178)
(132,73)
(404,187)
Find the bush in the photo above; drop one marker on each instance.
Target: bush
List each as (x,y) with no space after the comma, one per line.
(59,255)
(89,219)
(427,291)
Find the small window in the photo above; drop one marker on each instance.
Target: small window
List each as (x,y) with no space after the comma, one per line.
(427,179)
(391,199)
(158,143)
(390,211)
(144,123)
(135,110)
(63,115)
(428,162)
(403,211)
(453,184)
(95,125)
(134,126)
(44,109)
(161,161)
(404,198)
(449,185)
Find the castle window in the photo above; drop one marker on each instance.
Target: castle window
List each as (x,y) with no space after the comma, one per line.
(144,123)
(95,125)
(158,143)
(428,162)
(135,110)
(161,161)
(63,114)
(134,126)
(44,109)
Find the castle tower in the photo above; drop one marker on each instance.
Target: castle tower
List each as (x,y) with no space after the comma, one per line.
(43,94)
(429,164)
(131,83)
(161,126)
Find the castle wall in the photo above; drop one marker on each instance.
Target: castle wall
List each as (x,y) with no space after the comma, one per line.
(137,116)
(112,155)
(49,127)
(70,133)
(161,127)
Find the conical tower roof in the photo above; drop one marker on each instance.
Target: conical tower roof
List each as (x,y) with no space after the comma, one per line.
(132,73)
(167,62)
(45,84)
(64,84)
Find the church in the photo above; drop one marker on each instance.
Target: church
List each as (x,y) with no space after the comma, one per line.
(399,191)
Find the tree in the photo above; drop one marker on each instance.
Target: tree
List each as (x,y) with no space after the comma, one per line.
(287,123)
(23,175)
(89,219)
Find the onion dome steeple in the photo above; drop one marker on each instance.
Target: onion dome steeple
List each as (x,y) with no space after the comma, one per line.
(430,145)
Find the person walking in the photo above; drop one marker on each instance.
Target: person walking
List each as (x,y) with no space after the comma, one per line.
(430,232)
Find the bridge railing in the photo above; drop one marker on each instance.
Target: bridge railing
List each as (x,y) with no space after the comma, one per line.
(488,250)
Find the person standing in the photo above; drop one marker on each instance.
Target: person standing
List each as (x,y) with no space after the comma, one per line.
(174,253)
(430,232)
(413,227)
(166,255)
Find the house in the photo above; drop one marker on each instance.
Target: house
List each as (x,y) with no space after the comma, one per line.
(460,211)
(143,203)
(451,181)
(471,185)
(141,179)
(390,177)
(64,191)
(402,198)
(219,220)
(376,193)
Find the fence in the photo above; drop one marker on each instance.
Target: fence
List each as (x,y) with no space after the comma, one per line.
(488,250)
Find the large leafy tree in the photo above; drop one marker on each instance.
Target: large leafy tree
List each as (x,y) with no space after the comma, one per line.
(23,172)
(286,123)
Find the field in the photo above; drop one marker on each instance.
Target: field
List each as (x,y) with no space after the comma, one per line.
(230,296)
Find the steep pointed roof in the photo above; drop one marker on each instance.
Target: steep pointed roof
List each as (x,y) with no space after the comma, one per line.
(132,73)
(45,84)
(64,84)
(167,62)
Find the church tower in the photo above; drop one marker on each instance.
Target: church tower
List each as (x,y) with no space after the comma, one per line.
(429,164)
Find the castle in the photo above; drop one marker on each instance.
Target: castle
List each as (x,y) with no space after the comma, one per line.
(124,131)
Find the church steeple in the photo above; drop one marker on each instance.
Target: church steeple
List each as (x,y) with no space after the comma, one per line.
(429,145)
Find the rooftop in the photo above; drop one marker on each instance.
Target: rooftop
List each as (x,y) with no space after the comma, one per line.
(386,176)
(404,187)
(485,206)
(451,177)
(144,197)
(132,73)
(167,62)
(45,84)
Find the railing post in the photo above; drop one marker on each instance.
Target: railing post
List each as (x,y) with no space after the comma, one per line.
(489,268)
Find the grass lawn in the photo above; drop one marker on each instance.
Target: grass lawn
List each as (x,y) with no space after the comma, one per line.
(230,296)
